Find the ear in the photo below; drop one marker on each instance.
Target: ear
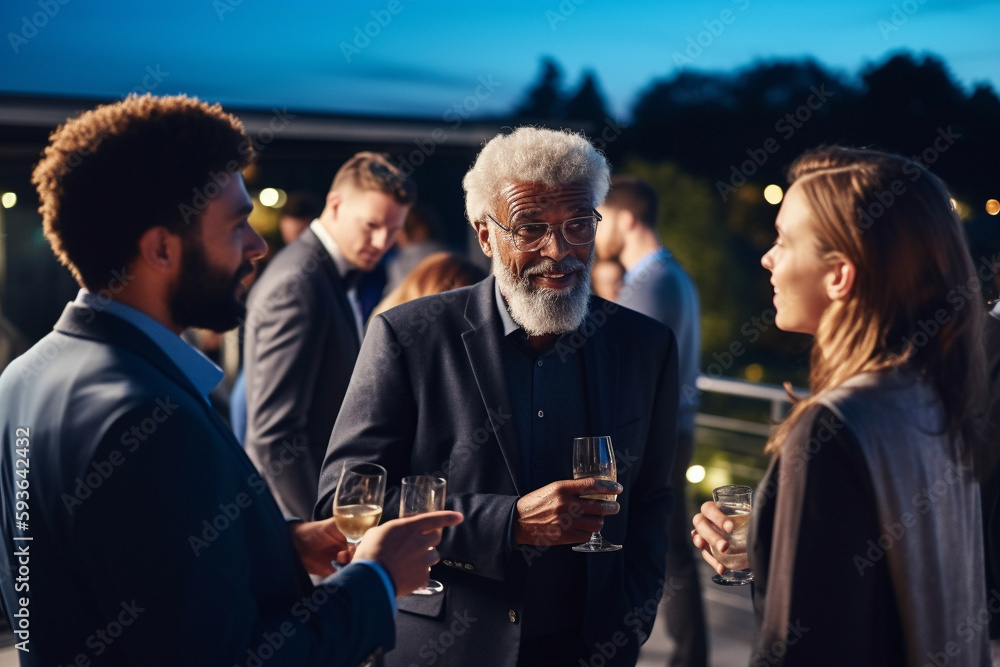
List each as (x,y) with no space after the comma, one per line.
(840,278)
(625,221)
(483,235)
(160,249)
(333,200)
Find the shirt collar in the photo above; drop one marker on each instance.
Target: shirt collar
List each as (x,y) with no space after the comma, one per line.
(509,325)
(196,367)
(343,266)
(658,255)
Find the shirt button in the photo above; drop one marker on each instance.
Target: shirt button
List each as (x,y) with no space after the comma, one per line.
(541,413)
(468,566)
(540,362)
(512,615)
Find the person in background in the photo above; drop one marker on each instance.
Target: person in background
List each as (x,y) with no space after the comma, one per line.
(606,278)
(655,285)
(865,537)
(436,273)
(300,209)
(305,324)
(414,243)
(149,536)
(488,385)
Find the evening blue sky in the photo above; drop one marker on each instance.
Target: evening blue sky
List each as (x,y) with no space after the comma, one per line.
(425,56)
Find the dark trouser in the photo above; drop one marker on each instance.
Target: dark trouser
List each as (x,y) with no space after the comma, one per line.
(682,604)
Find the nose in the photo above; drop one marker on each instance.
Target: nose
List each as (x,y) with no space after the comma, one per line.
(556,247)
(255,246)
(767,261)
(380,238)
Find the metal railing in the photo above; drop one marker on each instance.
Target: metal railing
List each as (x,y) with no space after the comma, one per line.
(774,394)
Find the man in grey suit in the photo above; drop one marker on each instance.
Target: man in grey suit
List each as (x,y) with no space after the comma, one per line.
(487,386)
(139,531)
(304,326)
(655,285)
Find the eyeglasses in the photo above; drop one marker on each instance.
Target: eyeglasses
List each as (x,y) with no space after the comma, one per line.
(531,236)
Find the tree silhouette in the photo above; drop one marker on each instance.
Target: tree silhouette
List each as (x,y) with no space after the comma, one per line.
(587,104)
(544,99)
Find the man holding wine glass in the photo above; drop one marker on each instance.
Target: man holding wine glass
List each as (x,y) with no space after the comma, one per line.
(488,386)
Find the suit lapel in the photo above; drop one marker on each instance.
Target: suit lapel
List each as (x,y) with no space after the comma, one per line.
(482,345)
(329,269)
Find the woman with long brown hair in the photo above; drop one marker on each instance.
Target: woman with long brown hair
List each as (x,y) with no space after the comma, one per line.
(865,537)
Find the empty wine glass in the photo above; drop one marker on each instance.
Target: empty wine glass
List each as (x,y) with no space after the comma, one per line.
(594,457)
(357,503)
(419,494)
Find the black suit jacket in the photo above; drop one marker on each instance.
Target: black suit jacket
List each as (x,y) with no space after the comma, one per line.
(300,348)
(153,539)
(429,396)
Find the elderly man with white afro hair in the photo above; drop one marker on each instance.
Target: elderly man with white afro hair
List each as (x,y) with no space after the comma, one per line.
(534,155)
(488,386)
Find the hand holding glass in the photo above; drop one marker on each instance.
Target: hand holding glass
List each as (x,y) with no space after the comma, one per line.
(357,503)
(419,494)
(594,457)
(734,501)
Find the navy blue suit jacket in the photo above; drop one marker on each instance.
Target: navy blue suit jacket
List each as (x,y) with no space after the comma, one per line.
(153,539)
(429,395)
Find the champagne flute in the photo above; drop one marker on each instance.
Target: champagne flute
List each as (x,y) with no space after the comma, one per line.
(419,494)
(594,457)
(734,501)
(357,503)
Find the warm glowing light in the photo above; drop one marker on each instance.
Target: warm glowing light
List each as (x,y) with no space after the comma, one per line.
(754,372)
(718,477)
(992,206)
(696,474)
(268,197)
(8,199)
(773,194)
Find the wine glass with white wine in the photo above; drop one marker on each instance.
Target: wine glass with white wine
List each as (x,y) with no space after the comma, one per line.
(419,494)
(595,457)
(357,503)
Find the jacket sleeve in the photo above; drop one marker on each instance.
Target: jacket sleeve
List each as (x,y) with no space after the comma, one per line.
(192,575)
(377,423)
(287,331)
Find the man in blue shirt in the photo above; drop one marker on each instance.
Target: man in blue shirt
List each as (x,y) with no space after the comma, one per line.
(655,285)
(141,531)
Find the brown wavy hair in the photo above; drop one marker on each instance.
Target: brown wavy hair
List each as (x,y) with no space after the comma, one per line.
(895,221)
(115,171)
(436,273)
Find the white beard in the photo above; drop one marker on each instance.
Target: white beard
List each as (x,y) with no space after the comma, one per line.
(542,310)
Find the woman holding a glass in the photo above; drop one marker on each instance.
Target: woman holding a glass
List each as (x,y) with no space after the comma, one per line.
(865,535)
